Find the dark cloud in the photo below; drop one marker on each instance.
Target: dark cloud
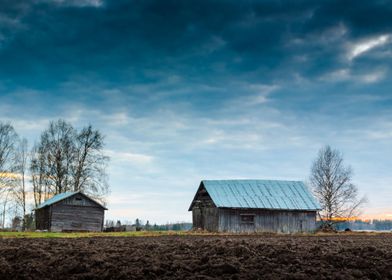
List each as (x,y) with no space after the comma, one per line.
(210,41)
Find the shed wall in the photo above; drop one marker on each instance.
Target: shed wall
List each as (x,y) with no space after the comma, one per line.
(76,218)
(78,200)
(230,220)
(206,218)
(42,218)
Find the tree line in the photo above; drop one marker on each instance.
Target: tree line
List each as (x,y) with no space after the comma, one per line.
(64,159)
(139,225)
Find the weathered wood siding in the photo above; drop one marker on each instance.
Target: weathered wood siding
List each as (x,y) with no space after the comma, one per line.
(78,200)
(240,220)
(205,218)
(204,213)
(42,218)
(76,218)
(77,213)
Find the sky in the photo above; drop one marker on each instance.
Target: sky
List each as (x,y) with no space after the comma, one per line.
(192,90)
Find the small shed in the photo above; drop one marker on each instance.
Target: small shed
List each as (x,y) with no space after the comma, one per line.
(70,211)
(254,206)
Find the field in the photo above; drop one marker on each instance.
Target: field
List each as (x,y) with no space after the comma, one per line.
(343,256)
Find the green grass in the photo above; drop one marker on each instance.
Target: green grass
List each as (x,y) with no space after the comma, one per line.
(88,234)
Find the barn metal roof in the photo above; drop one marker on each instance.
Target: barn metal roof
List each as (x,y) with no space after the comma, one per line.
(262,194)
(61,196)
(56,198)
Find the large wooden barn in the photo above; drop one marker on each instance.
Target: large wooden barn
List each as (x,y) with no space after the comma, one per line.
(254,206)
(70,211)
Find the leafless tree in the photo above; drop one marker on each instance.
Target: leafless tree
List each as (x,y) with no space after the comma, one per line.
(57,144)
(20,190)
(331,182)
(8,140)
(68,160)
(38,175)
(89,173)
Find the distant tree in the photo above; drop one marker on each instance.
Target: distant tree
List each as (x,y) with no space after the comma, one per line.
(89,174)
(176,226)
(147,226)
(29,222)
(331,183)
(38,175)
(68,160)
(16,223)
(118,224)
(8,142)
(109,223)
(20,189)
(138,224)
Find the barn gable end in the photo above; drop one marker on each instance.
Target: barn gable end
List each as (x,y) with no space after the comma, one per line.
(205,215)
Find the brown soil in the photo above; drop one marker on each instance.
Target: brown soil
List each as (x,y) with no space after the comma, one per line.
(199,257)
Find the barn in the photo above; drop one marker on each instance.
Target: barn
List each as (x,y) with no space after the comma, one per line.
(254,206)
(70,211)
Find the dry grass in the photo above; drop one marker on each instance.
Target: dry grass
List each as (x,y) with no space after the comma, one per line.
(166,233)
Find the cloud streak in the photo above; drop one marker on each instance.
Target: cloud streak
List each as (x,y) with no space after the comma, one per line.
(361,48)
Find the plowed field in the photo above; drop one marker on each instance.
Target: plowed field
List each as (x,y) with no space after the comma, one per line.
(199,257)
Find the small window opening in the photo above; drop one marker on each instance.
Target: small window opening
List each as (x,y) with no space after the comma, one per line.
(248,218)
(78,198)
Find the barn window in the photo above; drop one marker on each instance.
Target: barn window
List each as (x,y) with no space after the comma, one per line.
(247,218)
(78,198)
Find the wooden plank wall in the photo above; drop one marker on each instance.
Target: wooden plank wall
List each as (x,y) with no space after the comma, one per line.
(267,221)
(76,218)
(204,213)
(79,200)
(42,218)
(206,218)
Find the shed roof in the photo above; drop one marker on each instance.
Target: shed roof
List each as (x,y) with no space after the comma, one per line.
(261,194)
(62,196)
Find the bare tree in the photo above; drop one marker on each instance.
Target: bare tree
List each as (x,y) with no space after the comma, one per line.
(8,139)
(57,146)
(89,173)
(331,182)
(38,175)
(20,190)
(68,160)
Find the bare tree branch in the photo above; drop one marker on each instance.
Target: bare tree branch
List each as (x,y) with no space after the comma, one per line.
(331,183)
(68,160)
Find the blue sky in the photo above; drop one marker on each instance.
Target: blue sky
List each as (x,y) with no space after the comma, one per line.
(192,90)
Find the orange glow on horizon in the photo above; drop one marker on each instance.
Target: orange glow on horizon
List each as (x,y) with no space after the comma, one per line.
(10,175)
(365,218)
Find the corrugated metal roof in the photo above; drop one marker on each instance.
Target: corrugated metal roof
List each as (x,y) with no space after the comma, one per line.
(265,194)
(56,198)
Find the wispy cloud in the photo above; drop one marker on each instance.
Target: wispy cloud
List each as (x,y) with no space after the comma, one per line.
(361,47)
(129,157)
(75,3)
(346,74)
